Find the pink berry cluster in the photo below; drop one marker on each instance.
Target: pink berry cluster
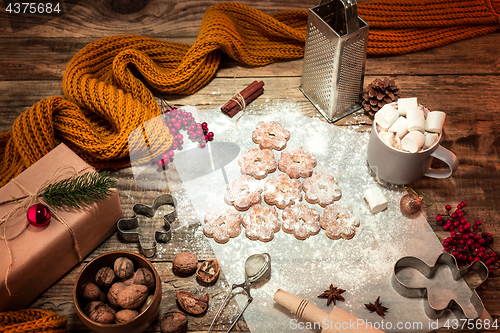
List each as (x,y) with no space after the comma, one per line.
(466,243)
(177,120)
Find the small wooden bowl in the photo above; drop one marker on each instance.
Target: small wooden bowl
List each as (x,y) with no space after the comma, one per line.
(136,325)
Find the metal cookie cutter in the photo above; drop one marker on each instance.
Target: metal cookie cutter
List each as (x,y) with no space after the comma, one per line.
(459,308)
(128,226)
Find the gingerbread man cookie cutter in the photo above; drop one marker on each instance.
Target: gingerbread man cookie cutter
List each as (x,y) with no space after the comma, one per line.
(128,226)
(459,308)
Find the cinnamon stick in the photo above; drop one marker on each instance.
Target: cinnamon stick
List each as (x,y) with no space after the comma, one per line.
(245,93)
(237,108)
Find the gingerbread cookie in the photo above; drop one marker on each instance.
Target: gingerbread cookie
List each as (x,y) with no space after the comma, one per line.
(257,163)
(301,220)
(297,163)
(322,189)
(261,222)
(222,224)
(243,192)
(270,135)
(339,221)
(282,191)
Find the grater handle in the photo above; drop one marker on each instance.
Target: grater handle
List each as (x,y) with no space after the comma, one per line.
(351,14)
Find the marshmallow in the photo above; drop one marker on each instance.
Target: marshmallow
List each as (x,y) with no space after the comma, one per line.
(391,139)
(405,104)
(435,121)
(413,141)
(375,199)
(430,139)
(399,127)
(415,120)
(386,116)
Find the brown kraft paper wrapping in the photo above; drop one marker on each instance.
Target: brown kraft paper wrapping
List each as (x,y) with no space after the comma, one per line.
(42,255)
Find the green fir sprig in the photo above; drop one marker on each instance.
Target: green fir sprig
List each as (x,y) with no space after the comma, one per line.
(78,191)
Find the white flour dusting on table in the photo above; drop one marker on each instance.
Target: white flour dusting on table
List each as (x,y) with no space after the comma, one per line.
(362,265)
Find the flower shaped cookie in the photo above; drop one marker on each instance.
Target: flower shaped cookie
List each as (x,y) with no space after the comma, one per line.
(297,163)
(222,224)
(301,220)
(270,135)
(261,222)
(339,221)
(322,189)
(257,163)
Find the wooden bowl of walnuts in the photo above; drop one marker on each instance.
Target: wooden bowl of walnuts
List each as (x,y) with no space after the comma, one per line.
(118,291)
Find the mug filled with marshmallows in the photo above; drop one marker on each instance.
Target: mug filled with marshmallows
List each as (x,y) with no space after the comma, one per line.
(404,140)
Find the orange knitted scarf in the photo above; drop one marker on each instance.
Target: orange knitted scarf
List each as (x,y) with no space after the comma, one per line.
(109,83)
(32,320)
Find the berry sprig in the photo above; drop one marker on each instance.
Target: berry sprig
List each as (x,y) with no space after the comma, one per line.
(177,120)
(466,242)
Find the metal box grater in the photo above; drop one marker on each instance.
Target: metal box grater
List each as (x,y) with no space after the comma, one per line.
(334,58)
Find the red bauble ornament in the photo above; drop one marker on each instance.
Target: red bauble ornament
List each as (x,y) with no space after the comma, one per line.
(38,215)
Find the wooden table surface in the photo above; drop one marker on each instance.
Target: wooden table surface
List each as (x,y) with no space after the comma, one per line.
(462,79)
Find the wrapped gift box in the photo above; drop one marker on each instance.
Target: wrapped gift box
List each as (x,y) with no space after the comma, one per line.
(42,255)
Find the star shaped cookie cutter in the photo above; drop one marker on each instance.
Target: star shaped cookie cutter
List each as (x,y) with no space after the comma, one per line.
(459,309)
(128,226)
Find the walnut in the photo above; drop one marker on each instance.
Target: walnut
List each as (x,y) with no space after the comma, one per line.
(132,296)
(91,292)
(185,263)
(192,304)
(105,277)
(145,277)
(124,268)
(174,322)
(208,272)
(102,314)
(92,306)
(123,316)
(113,292)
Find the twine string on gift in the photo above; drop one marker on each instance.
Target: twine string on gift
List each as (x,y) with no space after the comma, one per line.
(29,200)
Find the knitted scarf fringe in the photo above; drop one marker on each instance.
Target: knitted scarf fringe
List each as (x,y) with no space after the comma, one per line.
(109,84)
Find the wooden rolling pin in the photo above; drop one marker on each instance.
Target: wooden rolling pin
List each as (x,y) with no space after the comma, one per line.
(338,321)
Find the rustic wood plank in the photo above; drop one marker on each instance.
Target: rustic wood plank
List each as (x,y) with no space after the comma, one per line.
(155,18)
(30,58)
(449,93)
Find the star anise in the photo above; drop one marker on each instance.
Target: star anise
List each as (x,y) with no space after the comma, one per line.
(377,307)
(333,294)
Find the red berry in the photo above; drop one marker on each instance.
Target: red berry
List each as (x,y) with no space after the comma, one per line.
(448,207)
(463,203)
(479,222)
(439,218)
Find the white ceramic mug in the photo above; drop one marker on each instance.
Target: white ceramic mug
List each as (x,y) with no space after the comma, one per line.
(401,167)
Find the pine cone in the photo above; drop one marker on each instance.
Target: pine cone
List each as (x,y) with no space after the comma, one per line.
(378,93)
